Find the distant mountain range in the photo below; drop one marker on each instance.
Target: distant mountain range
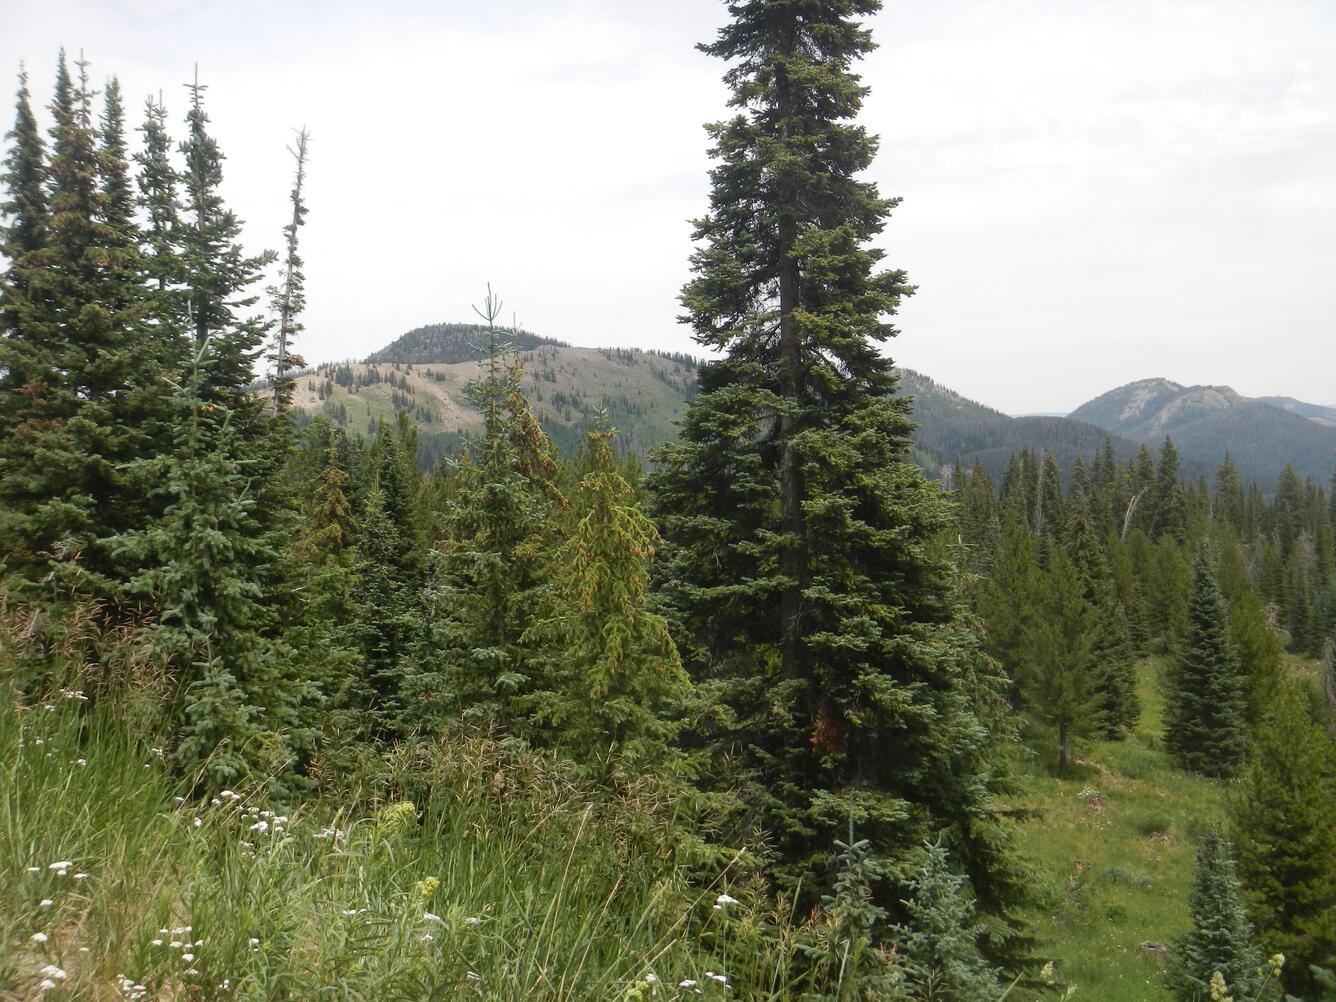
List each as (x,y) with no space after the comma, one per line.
(426,372)
(1262,434)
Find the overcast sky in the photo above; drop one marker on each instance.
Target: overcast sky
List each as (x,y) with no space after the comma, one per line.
(1094,192)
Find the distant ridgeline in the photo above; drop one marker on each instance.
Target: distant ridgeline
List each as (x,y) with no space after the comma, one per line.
(450,343)
(425,373)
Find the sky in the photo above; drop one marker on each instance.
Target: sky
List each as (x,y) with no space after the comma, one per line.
(1093,192)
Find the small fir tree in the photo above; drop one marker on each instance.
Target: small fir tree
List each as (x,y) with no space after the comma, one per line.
(1222,935)
(1207,705)
(939,942)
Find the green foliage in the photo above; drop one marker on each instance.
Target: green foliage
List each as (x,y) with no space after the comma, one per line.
(846,963)
(205,566)
(1058,677)
(804,561)
(1204,725)
(1222,935)
(612,685)
(938,943)
(1283,816)
(491,563)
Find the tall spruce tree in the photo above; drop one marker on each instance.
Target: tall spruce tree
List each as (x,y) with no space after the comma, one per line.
(1112,653)
(1207,704)
(27,369)
(1221,938)
(491,564)
(218,275)
(804,560)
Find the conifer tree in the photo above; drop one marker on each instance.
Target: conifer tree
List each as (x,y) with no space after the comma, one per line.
(1112,651)
(490,565)
(205,564)
(802,560)
(1283,818)
(1229,500)
(614,684)
(1170,505)
(1050,511)
(1207,703)
(290,295)
(217,274)
(1221,938)
(89,402)
(27,368)
(1057,675)
(937,945)
(385,624)
(157,182)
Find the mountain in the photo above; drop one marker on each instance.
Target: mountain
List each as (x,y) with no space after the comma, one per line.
(952,427)
(1314,412)
(1262,434)
(426,373)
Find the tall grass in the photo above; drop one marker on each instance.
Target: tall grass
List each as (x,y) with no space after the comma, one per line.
(449,871)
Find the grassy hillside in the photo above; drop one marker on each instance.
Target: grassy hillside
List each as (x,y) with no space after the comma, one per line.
(1115,846)
(643,393)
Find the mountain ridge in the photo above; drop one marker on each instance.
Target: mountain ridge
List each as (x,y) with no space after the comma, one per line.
(426,372)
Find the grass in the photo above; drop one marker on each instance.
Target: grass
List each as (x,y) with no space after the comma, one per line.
(488,878)
(1115,844)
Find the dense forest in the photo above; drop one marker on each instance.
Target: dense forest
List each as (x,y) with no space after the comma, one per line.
(766,714)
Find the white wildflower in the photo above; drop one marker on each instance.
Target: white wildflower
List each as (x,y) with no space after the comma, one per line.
(474,976)
(229,795)
(80,876)
(34,869)
(64,864)
(45,903)
(189,958)
(52,971)
(39,937)
(426,937)
(47,984)
(198,822)
(81,761)
(260,826)
(155,942)
(719,978)
(429,917)
(473,920)
(253,943)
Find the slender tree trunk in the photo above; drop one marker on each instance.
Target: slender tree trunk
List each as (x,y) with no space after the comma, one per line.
(1062,748)
(287,307)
